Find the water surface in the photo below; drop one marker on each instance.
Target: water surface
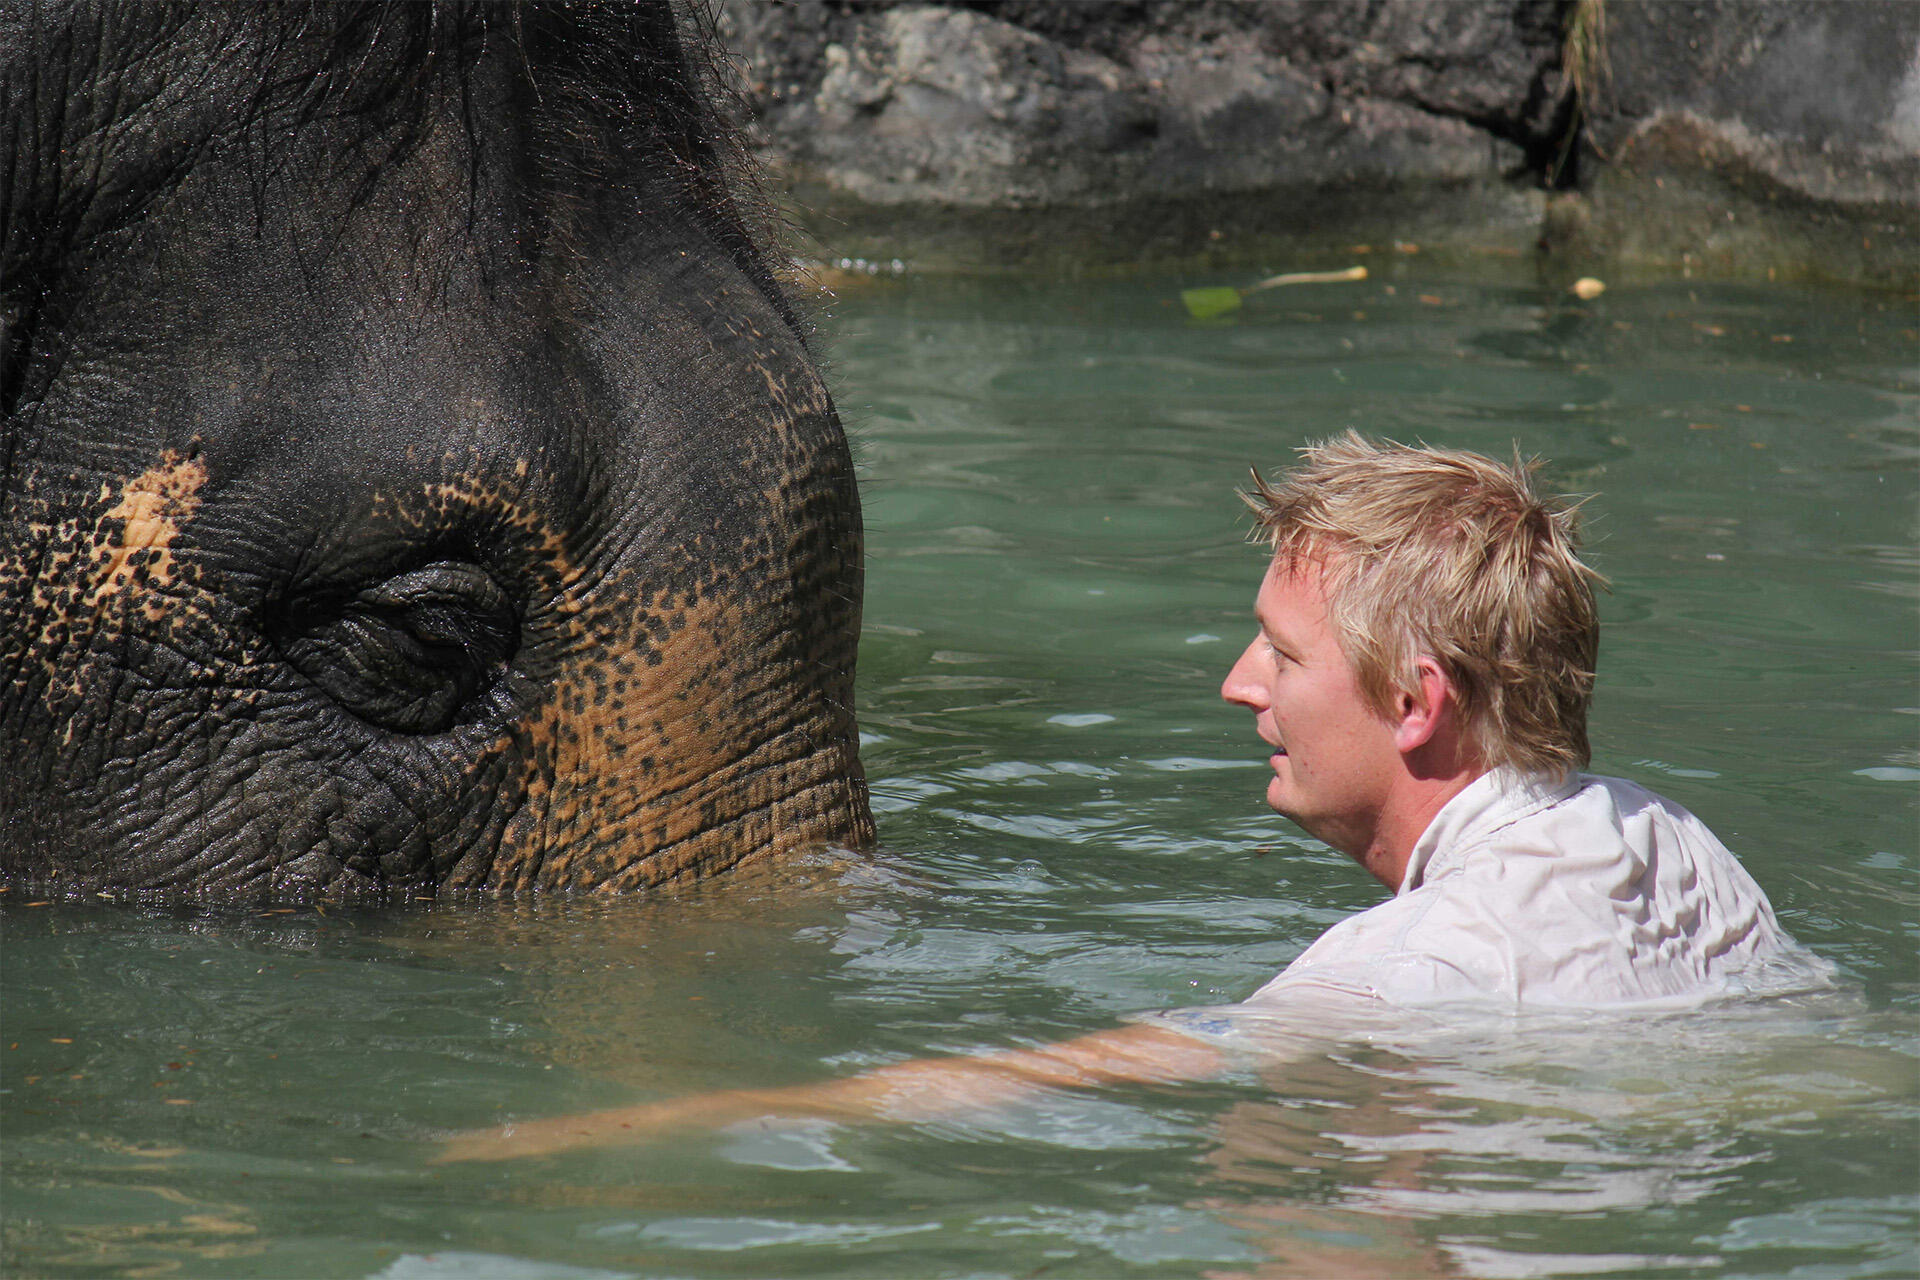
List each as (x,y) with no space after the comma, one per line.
(1073,831)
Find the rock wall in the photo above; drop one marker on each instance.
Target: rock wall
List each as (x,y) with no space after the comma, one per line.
(1780,137)
(1003,130)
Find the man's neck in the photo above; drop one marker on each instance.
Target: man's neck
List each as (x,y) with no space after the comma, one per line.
(1405,819)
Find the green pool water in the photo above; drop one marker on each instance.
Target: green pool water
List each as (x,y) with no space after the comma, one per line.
(1072,830)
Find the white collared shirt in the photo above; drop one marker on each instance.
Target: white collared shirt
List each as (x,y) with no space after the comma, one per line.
(1527,892)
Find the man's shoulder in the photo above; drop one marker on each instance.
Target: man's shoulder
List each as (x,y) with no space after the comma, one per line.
(1625,795)
(1591,815)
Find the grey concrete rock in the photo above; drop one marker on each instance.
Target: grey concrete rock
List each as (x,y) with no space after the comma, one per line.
(1706,132)
(1742,138)
(1030,105)
(945,105)
(1822,98)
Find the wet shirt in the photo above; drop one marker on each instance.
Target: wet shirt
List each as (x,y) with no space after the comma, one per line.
(1528,892)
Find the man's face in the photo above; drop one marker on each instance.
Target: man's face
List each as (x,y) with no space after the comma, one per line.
(1334,759)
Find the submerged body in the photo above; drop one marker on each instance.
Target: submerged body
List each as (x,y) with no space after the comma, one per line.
(412,474)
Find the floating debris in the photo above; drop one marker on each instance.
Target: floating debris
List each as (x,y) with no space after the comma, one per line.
(1205,304)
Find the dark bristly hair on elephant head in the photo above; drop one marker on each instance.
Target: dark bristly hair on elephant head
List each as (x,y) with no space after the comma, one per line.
(91,140)
(413,475)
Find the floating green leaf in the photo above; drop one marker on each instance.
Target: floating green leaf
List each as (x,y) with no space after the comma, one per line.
(1211,303)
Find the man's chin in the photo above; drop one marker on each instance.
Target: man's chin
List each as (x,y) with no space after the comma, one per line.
(1288,805)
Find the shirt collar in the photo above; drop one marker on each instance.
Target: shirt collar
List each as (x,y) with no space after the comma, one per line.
(1491,801)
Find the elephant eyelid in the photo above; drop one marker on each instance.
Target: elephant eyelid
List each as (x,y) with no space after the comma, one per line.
(454,606)
(444,582)
(412,653)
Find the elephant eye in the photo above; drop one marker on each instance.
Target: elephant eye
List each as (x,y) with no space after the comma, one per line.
(408,653)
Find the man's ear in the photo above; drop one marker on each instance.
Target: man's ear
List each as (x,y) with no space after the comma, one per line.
(1421,712)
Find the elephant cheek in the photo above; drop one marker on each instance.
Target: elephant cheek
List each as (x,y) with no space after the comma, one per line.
(95,583)
(668,753)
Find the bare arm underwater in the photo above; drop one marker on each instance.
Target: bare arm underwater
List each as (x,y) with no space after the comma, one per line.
(918,1090)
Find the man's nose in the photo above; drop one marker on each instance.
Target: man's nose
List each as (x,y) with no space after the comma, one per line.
(1240,687)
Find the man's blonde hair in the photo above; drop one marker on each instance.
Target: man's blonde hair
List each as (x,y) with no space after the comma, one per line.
(1450,555)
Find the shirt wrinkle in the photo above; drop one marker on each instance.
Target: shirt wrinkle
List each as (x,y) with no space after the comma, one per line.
(1495,801)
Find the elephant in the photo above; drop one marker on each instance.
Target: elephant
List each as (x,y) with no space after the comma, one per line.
(414,477)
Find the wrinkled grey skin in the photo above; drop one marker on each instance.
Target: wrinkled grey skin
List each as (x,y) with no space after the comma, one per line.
(412,476)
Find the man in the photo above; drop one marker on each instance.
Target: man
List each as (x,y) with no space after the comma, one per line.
(1422,671)
(1426,657)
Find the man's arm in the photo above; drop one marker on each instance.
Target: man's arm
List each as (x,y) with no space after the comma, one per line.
(922,1089)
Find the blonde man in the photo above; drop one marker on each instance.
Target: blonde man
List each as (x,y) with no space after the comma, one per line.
(1423,669)
(1422,672)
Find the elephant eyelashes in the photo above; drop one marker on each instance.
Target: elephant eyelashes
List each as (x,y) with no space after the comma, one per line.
(408,653)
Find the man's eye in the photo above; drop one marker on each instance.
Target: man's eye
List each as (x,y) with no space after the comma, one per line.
(408,653)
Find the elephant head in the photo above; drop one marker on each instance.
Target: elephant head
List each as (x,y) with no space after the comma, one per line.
(413,476)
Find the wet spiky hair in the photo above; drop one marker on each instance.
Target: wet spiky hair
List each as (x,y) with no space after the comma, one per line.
(1453,556)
